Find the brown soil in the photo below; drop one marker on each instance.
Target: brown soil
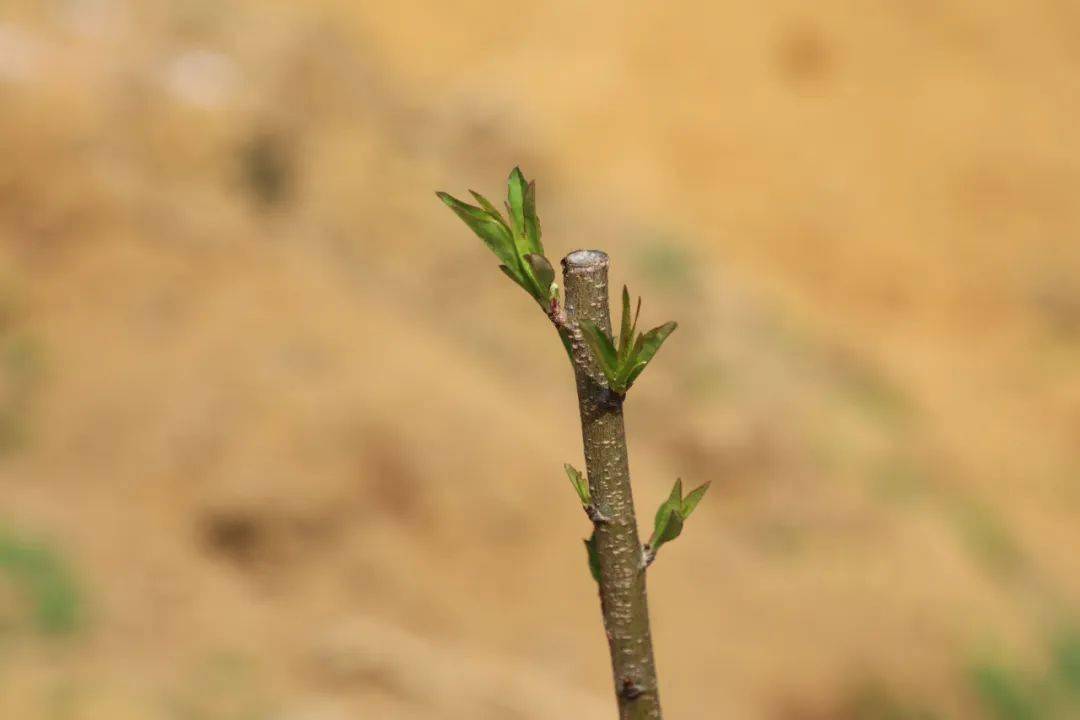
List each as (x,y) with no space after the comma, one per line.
(300,443)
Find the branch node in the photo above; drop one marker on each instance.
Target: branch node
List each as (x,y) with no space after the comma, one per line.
(631,690)
(648,555)
(597,517)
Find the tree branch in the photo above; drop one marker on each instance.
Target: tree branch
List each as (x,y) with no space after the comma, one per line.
(622,577)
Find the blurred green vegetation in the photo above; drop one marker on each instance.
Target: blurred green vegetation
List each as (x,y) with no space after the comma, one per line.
(988,537)
(45,590)
(1051,691)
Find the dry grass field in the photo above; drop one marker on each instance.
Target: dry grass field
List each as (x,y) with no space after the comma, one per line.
(278,441)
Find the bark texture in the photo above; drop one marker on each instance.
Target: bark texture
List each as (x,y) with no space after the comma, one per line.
(622,574)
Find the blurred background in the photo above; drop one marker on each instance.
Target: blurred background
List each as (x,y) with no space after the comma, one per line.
(277,440)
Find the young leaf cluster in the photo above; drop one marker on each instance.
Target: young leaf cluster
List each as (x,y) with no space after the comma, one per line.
(673,513)
(623,360)
(516,240)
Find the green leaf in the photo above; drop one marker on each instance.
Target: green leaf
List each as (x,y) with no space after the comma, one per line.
(491,229)
(516,188)
(532,222)
(660,523)
(645,347)
(603,350)
(543,272)
(676,494)
(626,334)
(514,241)
(648,344)
(627,344)
(674,529)
(691,501)
(516,278)
(632,375)
(672,514)
(532,285)
(594,556)
(580,483)
(668,526)
(668,523)
(491,209)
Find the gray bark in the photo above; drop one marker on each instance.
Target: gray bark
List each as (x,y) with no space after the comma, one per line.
(622,573)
